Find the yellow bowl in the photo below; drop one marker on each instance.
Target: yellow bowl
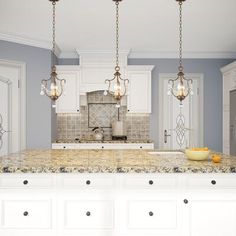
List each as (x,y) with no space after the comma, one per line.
(197,155)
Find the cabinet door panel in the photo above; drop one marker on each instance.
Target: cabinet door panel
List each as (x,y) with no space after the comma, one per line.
(152,215)
(89,215)
(139,97)
(214,217)
(69,102)
(26,214)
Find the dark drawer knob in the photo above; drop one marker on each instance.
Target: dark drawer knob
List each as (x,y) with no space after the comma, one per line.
(88,182)
(185,201)
(140,147)
(88,213)
(25,182)
(213,182)
(64,147)
(26,213)
(102,147)
(77,110)
(151,213)
(150,182)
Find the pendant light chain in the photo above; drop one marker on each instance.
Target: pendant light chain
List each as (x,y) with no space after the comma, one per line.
(117,86)
(53,87)
(117,37)
(180,87)
(180,37)
(54,32)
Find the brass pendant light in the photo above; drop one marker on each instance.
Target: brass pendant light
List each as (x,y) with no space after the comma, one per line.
(117,86)
(53,87)
(180,87)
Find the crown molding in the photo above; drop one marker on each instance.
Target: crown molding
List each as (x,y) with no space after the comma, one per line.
(69,55)
(108,52)
(131,54)
(157,55)
(29,42)
(186,55)
(228,67)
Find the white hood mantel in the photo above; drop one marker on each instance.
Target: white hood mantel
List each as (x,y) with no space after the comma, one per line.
(97,66)
(100,57)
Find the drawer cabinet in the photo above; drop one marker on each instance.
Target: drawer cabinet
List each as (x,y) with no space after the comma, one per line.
(103,146)
(89,182)
(25,181)
(26,214)
(211,182)
(89,215)
(150,182)
(152,215)
(118,204)
(63,146)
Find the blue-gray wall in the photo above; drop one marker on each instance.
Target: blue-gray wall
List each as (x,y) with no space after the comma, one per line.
(212,93)
(41,117)
(38,65)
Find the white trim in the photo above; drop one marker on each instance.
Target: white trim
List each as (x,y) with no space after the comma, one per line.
(22,78)
(186,55)
(68,55)
(29,42)
(46,44)
(228,67)
(160,55)
(140,68)
(200,78)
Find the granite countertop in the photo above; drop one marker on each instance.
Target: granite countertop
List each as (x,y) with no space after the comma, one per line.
(108,161)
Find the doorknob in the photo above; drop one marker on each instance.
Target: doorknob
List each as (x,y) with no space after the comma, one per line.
(166,135)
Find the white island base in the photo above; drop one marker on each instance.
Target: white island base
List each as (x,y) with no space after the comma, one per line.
(117,204)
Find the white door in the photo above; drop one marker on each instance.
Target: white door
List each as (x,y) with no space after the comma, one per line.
(180,127)
(9,110)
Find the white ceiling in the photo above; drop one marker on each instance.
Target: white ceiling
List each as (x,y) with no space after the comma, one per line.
(148,27)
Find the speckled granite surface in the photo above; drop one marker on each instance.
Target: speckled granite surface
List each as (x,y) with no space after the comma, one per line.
(108,161)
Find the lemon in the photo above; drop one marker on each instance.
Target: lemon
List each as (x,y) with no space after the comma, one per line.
(216,158)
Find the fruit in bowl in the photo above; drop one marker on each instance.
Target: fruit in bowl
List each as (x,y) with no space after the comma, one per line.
(197,154)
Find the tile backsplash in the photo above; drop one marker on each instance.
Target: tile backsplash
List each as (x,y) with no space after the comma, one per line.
(100,111)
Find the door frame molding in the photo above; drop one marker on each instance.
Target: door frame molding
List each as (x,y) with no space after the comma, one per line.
(21,66)
(200,78)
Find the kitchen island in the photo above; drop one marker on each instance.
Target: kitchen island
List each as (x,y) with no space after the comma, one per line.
(115,192)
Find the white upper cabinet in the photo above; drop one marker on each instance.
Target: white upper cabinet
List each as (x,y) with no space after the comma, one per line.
(139,92)
(90,76)
(69,102)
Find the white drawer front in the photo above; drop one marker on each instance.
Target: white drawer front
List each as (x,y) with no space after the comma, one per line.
(152,215)
(26,214)
(150,182)
(213,182)
(63,146)
(26,182)
(89,215)
(89,182)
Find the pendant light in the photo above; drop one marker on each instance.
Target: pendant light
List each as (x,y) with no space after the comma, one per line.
(117,85)
(180,87)
(53,87)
